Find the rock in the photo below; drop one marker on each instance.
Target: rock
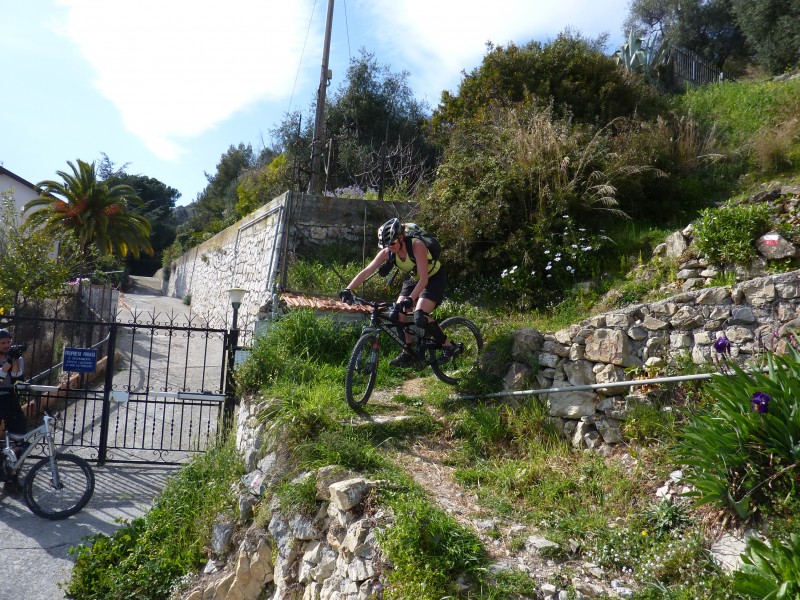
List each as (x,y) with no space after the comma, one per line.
(349,493)
(727,552)
(758,292)
(571,404)
(717,295)
(328,475)
(221,533)
(774,246)
(687,274)
(687,318)
(526,345)
(579,372)
(742,315)
(518,377)
(537,543)
(610,429)
(611,346)
(676,245)
(654,324)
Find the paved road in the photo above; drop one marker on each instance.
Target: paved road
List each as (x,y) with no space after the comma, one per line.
(34,553)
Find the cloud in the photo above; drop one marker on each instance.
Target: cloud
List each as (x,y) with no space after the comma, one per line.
(177,68)
(449,36)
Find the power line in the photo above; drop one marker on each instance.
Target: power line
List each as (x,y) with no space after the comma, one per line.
(302,54)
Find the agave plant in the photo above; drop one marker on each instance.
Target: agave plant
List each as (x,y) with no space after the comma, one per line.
(638,55)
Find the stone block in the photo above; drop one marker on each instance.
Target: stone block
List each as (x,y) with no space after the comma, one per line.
(350,493)
(571,404)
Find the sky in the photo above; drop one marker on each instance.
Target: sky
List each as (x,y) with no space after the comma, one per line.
(165,87)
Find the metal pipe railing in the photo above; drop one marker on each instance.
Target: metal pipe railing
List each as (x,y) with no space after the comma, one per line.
(601,386)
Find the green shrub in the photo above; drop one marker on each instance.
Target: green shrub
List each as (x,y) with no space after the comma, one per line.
(428,549)
(726,234)
(293,348)
(144,558)
(739,459)
(770,571)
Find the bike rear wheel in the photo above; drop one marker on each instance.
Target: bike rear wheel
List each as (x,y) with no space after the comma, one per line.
(76,486)
(362,371)
(464,334)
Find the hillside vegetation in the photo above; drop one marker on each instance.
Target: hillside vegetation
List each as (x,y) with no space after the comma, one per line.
(523,191)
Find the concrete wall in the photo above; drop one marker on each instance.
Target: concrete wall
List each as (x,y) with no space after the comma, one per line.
(250,253)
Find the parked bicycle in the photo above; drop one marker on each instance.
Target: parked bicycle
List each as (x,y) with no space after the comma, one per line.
(423,348)
(58,485)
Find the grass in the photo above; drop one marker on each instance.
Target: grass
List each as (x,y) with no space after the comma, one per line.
(146,558)
(756,123)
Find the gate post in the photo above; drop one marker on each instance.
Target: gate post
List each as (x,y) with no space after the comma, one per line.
(236,296)
(109,383)
(230,384)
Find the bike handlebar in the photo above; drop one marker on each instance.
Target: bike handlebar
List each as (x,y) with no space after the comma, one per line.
(376,305)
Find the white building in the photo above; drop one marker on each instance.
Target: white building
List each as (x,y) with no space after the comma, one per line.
(21,190)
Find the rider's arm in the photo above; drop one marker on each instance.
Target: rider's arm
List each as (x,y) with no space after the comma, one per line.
(421,260)
(379,259)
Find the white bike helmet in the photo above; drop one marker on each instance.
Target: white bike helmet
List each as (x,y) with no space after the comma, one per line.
(389,232)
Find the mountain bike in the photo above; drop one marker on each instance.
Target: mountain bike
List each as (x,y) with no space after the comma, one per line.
(423,348)
(58,485)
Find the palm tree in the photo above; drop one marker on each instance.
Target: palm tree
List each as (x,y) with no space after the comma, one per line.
(96,212)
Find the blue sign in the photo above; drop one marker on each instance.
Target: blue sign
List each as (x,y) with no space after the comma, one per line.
(80,360)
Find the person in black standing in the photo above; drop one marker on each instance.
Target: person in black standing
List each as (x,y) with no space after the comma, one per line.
(12,366)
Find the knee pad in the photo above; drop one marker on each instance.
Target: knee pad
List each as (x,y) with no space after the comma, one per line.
(420,318)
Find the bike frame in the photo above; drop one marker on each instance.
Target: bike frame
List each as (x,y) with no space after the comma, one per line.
(379,323)
(33,438)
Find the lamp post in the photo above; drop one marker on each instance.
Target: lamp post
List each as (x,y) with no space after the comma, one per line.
(235,295)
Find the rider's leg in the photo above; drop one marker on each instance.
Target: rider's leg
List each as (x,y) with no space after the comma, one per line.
(422,318)
(404,359)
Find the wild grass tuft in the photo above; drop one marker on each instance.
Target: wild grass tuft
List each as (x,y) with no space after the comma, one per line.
(428,549)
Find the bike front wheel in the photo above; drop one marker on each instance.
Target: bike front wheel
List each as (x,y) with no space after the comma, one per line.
(466,336)
(59,490)
(362,371)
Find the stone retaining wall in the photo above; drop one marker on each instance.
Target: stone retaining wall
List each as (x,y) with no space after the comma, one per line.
(754,315)
(332,554)
(250,254)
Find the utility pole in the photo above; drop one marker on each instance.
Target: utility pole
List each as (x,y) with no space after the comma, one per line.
(319,124)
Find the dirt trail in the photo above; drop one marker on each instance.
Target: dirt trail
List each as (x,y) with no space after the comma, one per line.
(426,462)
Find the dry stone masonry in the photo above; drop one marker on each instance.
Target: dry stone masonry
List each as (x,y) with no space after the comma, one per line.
(330,555)
(759,312)
(755,315)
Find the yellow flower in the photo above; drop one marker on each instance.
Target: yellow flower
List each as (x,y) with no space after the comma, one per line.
(644,532)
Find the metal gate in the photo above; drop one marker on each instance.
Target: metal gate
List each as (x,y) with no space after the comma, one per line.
(160,391)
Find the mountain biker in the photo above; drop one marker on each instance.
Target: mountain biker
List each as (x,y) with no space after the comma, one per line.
(11,368)
(408,253)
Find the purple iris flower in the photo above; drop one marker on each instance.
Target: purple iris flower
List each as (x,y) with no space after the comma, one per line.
(760,402)
(722,345)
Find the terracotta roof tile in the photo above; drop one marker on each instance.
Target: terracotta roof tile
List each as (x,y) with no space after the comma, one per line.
(320,303)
